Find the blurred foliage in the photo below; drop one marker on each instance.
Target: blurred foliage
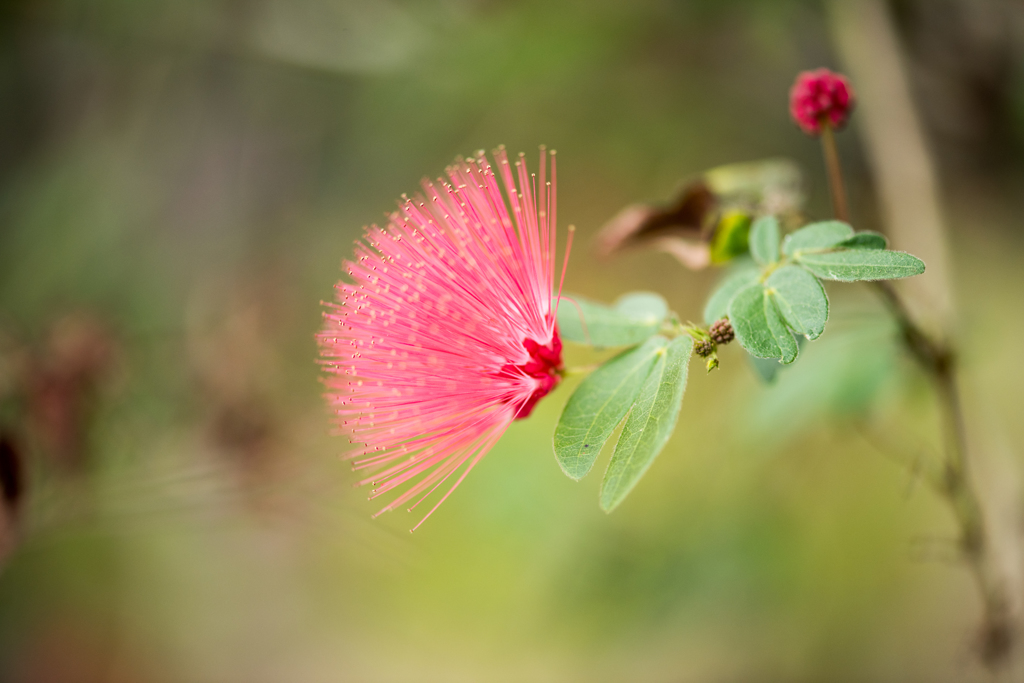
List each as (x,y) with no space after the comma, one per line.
(179,180)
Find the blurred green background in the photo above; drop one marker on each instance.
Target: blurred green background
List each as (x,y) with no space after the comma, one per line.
(179,181)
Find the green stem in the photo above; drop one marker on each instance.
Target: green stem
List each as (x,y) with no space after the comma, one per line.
(675,329)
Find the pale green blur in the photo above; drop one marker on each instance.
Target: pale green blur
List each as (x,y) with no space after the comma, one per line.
(184,177)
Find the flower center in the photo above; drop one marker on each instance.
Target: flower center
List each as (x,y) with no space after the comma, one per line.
(543,366)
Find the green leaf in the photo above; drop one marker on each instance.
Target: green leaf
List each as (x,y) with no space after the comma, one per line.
(717,306)
(759,326)
(783,337)
(598,405)
(650,422)
(747,314)
(731,237)
(764,240)
(766,368)
(865,240)
(816,236)
(634,318)
(840,375)
(646,306)
(801,300)
(849,265)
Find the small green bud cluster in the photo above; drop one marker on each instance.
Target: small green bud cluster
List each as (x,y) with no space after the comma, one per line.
(706,343)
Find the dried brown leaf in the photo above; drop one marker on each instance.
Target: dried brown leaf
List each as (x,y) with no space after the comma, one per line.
(679,228)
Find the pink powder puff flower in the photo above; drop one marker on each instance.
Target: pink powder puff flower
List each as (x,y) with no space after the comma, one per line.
(447,332)
(818,96)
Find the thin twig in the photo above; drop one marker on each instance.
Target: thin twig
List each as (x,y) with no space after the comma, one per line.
(938,360)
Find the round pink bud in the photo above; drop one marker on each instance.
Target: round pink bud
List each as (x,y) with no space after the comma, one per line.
(818,96)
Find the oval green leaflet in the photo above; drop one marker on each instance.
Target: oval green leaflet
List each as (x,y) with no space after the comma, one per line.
(800,299)
(759,326)
(865,240)
(717,306)
(650,422)
(850,265)
(599,404)
(823,235)
(633,318)
(764,240)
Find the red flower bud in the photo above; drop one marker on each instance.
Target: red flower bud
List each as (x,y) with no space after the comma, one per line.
(818,96)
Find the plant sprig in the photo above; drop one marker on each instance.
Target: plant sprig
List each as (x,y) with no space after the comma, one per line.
(768,300)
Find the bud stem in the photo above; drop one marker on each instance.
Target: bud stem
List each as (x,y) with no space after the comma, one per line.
(835,171)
